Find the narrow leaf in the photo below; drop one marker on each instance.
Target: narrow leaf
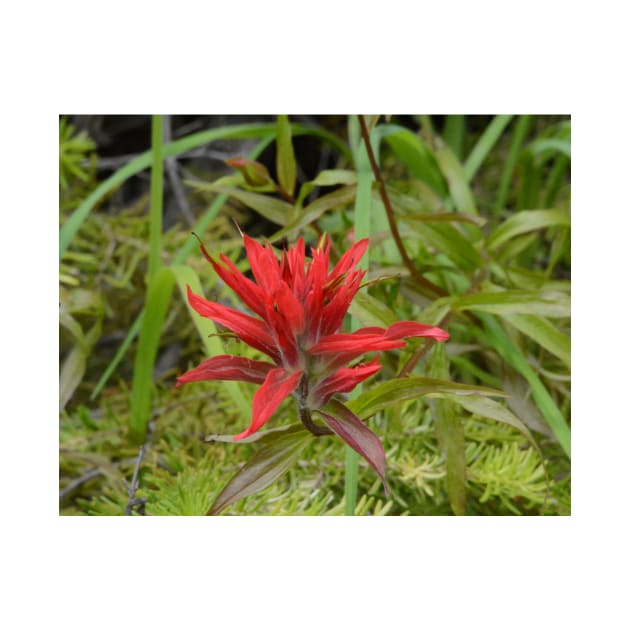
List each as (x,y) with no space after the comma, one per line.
(527,221)
(285,157)
(450,433)
(455,176)
(397,390)
(356,435)
(312,212)
(544,333)
(158,297)
(496,337)
(484,145)
(543,303)
(275,210)
(269,463)
(413,152)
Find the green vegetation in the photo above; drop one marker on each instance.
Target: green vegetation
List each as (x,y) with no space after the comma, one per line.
(476,240)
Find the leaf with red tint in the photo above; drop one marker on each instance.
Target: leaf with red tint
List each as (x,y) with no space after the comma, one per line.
(343,380)
(356,435)
(274,459)
(403,329)
(277,386)
(225,367)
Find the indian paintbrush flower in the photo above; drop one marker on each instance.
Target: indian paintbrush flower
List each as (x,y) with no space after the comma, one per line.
(300,307)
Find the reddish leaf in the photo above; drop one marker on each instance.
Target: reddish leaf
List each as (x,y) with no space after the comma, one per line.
(343,380)
(273,460)
(356,435)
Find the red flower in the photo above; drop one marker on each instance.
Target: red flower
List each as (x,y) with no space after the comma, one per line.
(300,307)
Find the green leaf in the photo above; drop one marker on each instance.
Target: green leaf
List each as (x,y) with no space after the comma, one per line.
(254,173)
(454,134)
(397,390)
(485,144)
(269,463)
(544,333)
(450,242)
(264,437)
(74,365)
(157,187)
(450,433)
(370,311)
(285,158)
(273,209)
(447,217)
(551,146)
(413,152)
(158,296)
(333,177)
(527,221)
(487,408)
(495,337)
(313,211)
(543,303)
(518,138)
(356,435)
(455,176)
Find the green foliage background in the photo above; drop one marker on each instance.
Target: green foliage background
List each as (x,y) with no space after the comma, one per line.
(483,208)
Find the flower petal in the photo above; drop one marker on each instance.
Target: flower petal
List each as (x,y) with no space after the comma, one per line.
(358,342)
(252,331)
(225,367)
(277,386)
(349,259)
(414,329)
(343,380)
(264,265)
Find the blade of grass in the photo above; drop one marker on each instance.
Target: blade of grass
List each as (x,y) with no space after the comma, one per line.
(496,337)
(362,223)
(157,197)
(485,143)
(555,179)
(158,297)
(454,129)
(518,138)
(184,251)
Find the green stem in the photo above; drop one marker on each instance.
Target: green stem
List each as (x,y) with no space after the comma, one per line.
(362,229)
(155,210)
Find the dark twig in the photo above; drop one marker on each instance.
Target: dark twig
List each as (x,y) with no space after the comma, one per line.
(170,163)
(415,274)
(90,474)
(134,481)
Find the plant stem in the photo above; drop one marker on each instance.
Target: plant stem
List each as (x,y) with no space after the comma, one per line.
(155,210)
(415,274)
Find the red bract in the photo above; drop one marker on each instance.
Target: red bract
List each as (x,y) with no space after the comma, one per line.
(300,307)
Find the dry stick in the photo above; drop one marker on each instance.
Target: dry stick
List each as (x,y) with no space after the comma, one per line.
(415,274)
(92,473)
(176,183)
(134,480)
